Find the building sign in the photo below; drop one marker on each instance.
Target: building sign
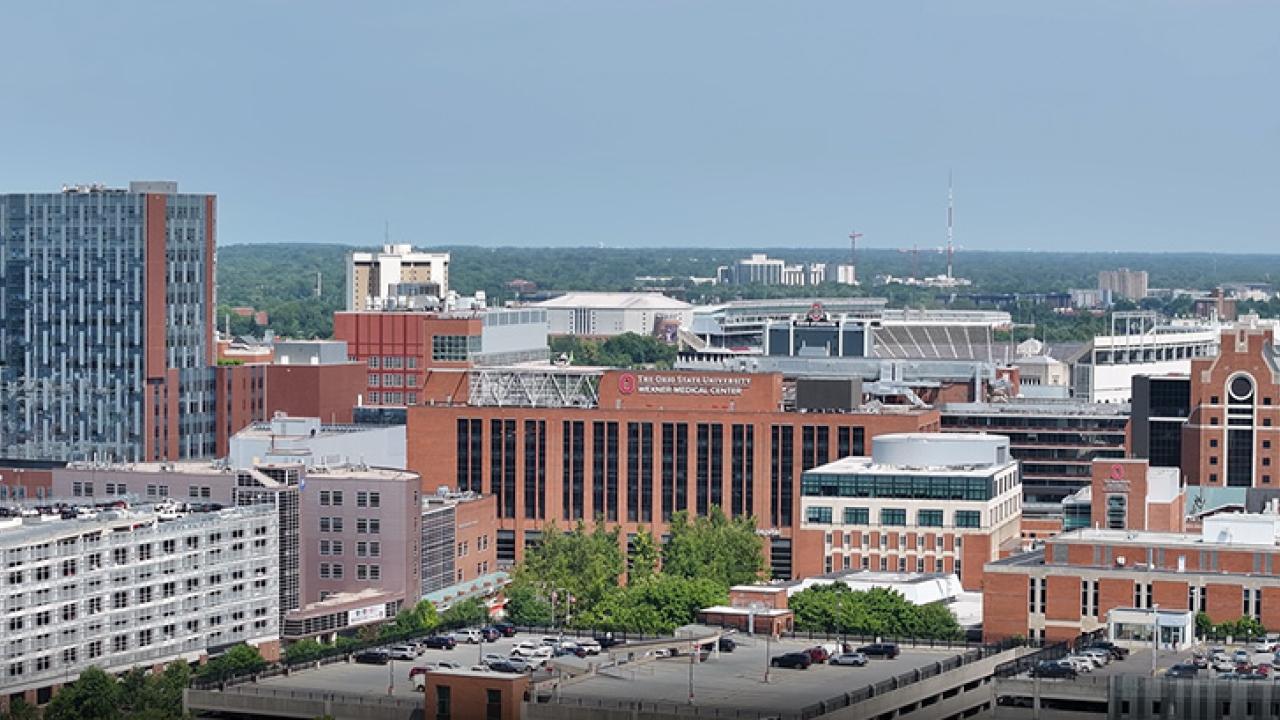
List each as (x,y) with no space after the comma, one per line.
(373,613)
(677,384)
(1117,481)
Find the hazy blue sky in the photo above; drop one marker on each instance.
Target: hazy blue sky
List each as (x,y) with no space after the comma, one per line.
(1068,125)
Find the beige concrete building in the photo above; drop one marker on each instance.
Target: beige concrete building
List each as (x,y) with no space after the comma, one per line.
(394,276)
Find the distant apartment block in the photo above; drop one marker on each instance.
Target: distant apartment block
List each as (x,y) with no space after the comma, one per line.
(123,589)
(760,269)
(397,276)
(106,323)
(1123,283)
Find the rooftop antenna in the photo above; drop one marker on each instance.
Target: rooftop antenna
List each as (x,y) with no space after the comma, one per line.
(951,248)
(386,232)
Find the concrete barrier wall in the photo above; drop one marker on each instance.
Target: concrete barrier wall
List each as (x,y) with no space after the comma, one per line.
(294,707)
(977,671)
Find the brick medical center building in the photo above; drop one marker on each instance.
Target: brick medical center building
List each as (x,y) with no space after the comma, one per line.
(634,447)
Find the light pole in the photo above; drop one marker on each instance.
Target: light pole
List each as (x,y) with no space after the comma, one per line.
(1155,637)
(693,658)
(391,685)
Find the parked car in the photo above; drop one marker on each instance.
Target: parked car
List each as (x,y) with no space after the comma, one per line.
(506,629)
(727,644)
(1117,652)
(490,633)
(1079,663)
(1182,670)
(1224,664)
(519,663)
(1103,655)
(1265,646)
(549,641)
(417,670)
(403,652)
(818,653)
(801,660)
(1200,661)
(856,659)
(440,642)
(884,650)
(569,649)
(491,658)
(506,667)
(608,640)
(591,645)
(525,648)
(468,635)
(373,657)
(1053,670)
(447,665)
(1241,656)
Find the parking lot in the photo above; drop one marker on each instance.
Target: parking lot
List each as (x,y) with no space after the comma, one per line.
(1139,661)
(729,679)
(736,680)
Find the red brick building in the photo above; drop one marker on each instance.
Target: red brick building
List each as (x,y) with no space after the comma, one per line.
(1232,435)
(563,445)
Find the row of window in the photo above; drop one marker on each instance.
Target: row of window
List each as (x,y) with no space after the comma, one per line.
(885,563)
(894,517)
(392,398)
(389,380)
(393,362)
(335,498)
(855,540)
(371,526)
(917,487)
(329,548)
(336,571)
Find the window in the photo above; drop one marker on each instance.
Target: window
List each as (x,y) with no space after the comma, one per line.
(816,514)
(454,348)
(968,519)
(493,704)
(929,518)
(373,364)
(893,516)
(444,703)
(857,516)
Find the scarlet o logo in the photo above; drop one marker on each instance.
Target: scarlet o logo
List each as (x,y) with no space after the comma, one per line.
(1117,472)
(626,383)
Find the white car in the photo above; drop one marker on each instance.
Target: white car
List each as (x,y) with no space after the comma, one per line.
(403,652)
(1078,663)
(1264,647)
(525,648)
(471,636)
(490,658)
(1101,656)
(591,645)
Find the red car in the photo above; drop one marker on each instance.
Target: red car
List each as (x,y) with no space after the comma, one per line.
(818,654)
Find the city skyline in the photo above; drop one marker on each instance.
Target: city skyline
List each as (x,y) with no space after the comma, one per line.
(573,124)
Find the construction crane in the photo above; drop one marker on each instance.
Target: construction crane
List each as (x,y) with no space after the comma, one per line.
(950,249)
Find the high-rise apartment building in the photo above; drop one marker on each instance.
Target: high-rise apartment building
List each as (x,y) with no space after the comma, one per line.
(106,323)
(1123,283)
(394,277)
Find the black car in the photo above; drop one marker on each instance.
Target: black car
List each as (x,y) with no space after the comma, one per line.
(1183,670)
(799,660)
(884,650)
(608,640)
(490,633)
(1053,670)
(573,650)
(727,644)
(440,642)
(374,657)
(504,666)
(506,629)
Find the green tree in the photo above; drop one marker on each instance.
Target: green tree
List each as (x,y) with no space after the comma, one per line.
(725,550)
(242,659)
(304,650)
(94,696)
(643,562)
(20,710)
(879,611)
(421,618)
(468,612)
(526,605)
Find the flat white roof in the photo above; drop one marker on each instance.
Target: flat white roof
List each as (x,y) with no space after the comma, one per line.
(865,466)
(615,300)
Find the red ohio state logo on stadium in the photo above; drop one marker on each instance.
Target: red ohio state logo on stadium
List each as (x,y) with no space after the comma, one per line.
(626,383)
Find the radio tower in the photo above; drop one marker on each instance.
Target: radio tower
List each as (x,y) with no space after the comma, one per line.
(951,248)
(853,256)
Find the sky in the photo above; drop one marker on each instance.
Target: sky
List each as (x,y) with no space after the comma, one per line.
(1073,125)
